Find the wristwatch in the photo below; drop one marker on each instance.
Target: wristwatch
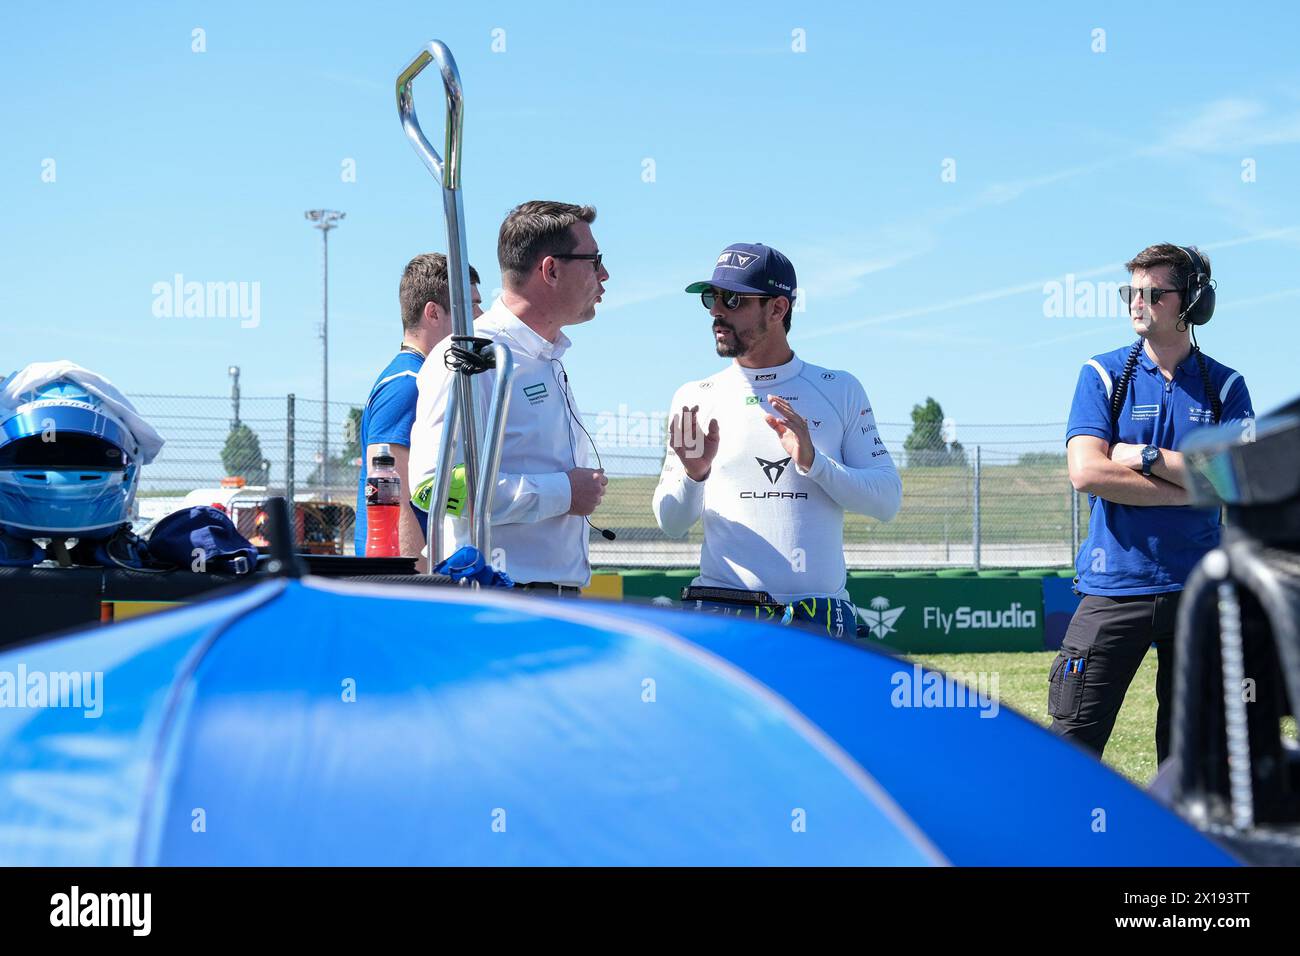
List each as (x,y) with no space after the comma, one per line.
(1150,455)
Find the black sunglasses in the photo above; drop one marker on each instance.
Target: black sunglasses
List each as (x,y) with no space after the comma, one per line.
(1128,293)
(593,257)
(730,300)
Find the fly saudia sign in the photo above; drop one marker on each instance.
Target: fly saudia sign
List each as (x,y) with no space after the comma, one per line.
(964,618)
(950,615)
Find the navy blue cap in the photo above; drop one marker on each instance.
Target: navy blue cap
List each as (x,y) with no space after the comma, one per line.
(751,267)
(176,539)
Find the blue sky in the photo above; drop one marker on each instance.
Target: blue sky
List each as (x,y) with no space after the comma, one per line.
(1067,160)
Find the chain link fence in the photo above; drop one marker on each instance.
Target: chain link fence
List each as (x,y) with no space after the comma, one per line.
(274,446)
(1002,498)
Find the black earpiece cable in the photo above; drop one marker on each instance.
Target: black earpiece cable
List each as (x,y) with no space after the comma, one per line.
(573,452)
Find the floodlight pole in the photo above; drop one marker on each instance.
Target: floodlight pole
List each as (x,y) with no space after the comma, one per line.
(325,220)
(234,395)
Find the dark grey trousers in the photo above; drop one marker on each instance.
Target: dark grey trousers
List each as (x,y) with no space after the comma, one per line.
(1102,650)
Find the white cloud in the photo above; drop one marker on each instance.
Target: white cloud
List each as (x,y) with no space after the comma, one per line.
(1229,125)
(830,270)
(1260,299)
(1021,288)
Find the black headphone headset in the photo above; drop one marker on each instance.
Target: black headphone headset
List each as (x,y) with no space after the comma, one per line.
(573,452)
(1198,308)
(1198,297)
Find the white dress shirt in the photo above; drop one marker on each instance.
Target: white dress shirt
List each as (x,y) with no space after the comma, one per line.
(533,537)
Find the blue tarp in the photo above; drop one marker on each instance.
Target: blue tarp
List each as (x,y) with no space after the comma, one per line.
(324,723)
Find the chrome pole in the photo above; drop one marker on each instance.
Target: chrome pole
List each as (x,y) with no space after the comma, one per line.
(496,429)
(448,175)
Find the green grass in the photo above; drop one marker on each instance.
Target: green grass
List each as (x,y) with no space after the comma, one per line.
(1017,503)
(1022,685)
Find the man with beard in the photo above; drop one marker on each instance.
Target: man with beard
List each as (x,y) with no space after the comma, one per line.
(789,447)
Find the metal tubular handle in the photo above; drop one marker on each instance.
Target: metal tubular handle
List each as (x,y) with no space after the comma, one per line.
(447,172)
(496,429)
(435,51)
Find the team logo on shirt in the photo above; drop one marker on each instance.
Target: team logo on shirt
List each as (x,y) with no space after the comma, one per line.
(536,394)
(1201,416)
(765,378)
(829,376)
(815,423)
(1144,412)
(773,469)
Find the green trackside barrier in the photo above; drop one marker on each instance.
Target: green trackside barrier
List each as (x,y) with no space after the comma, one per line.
(657,585)
(951,615)
(1065,573)
(952,611)
(1037,573)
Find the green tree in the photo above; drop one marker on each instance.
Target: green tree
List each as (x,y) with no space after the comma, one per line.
(343,465)
(242,455)
(925,446)
(352,449)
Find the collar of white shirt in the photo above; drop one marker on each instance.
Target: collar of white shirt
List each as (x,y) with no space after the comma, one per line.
(761,377)
(500,319)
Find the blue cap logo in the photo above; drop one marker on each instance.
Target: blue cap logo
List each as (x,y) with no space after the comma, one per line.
(753,268)
(732,259)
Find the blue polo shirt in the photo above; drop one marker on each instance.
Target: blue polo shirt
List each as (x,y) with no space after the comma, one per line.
(1148,550)
(387,418)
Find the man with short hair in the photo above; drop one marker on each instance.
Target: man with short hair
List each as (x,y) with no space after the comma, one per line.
(1133,408)
(789,447)
(552,277)
(425,300)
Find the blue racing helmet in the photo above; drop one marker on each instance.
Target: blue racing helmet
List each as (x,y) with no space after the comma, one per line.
(68,467)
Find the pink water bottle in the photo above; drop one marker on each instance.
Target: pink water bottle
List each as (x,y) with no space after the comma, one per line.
(383,506)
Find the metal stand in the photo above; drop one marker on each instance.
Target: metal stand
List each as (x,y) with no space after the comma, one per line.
(461,417)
